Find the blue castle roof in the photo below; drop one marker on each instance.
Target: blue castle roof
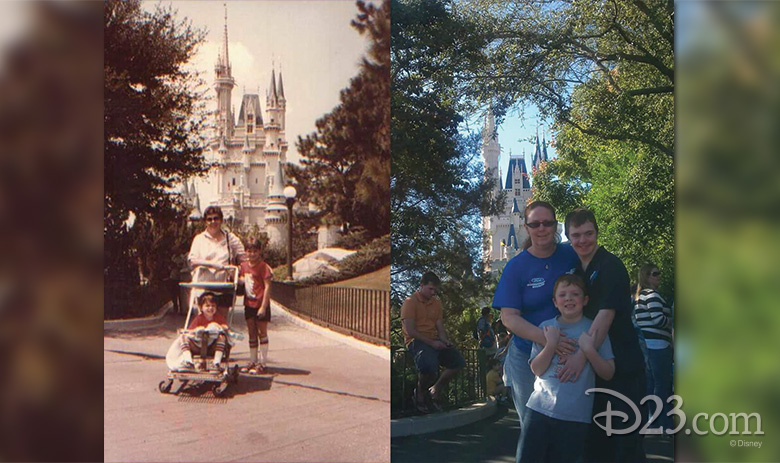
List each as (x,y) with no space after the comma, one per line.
(511,239)
(516,163)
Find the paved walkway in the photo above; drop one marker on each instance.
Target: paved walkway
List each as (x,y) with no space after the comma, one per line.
(492,440)
(323,401)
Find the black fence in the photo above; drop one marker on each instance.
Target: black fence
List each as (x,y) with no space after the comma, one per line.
(466,388)
(361,313)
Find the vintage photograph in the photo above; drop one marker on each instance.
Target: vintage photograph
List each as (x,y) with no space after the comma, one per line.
(247,249)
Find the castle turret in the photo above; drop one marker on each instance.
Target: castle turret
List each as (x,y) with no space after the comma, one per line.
(276,210)
(223,84)
(490,148)
(275,141)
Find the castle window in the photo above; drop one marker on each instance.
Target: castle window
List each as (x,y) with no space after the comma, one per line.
(234,181)
(518,192)
(250,128)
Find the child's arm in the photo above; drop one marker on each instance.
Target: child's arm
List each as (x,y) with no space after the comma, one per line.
(604,368)
(266,297)
(541,362)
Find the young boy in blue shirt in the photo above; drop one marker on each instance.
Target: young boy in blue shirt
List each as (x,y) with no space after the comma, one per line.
(560,413)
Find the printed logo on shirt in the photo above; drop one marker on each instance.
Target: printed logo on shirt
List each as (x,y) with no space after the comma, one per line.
(571,270)
(536,283)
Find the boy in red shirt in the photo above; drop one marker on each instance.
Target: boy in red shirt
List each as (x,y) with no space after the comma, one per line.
(257,276)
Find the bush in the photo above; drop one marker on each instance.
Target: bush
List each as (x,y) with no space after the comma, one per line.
(369,258)
(276,256)
(125,299)
(355,239)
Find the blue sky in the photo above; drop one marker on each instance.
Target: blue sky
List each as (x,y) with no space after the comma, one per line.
(517,133)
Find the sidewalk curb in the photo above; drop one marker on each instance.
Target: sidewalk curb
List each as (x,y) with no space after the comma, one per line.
(440,421)
(373,349)
(139,323)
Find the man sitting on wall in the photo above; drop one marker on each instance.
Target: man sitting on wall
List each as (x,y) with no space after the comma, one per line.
(426,341)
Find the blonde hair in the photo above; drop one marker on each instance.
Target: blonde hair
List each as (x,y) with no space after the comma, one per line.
(644,277)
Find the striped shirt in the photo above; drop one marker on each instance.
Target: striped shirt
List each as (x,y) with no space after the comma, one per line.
(654,318)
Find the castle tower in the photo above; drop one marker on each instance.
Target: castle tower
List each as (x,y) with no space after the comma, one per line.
(490,148)
(276,211)
(223,85)
(247,153)
(504,232)
(540,155)
(276,104)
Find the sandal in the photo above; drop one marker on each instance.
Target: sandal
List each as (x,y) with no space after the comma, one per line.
(251,368)
(433,401)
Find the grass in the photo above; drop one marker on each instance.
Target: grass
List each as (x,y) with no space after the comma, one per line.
(379,279)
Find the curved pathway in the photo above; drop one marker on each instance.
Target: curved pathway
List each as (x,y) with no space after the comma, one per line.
(324,400)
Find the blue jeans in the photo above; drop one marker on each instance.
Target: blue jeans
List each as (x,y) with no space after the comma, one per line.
(551,440)
(660,361)
(520,378)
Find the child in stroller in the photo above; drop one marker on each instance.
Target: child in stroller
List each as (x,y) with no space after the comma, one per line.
(207,323)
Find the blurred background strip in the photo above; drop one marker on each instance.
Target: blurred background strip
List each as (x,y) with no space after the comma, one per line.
(51,186)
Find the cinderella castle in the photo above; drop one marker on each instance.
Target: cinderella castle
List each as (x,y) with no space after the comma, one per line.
(247,156)
(505,232)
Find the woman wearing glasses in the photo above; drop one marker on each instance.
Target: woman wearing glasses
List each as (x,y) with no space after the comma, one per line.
(215,248)
(654,318)
(525,297)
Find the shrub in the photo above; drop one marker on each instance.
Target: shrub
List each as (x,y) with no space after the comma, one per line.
(369,258)
(354,239)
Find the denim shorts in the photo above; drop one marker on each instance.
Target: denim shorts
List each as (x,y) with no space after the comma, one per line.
(427,359)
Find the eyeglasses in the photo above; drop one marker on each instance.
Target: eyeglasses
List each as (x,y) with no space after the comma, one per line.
(213,219)
(656,274)
(546,223)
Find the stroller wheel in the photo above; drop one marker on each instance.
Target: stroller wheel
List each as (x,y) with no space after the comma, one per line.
(165,386)
(219,389)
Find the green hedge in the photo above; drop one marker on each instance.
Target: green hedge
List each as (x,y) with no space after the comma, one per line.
(371,257)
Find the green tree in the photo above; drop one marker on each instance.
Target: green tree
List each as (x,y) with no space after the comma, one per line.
(617,54)
(604,72)
(439,190)
(151,123)
(345,164)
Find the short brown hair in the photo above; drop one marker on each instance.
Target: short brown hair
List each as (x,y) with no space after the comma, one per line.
(428,278)
(216,210)
(207,296)
(254,244)
(571,279)
(578,217)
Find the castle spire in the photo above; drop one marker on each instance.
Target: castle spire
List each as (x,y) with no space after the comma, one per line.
(281,85)
(272,88)
(225,56)
(490,125)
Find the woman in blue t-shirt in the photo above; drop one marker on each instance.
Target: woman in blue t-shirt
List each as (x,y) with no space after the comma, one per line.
(525,297)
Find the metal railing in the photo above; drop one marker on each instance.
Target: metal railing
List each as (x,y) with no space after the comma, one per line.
(361,313)
(466,388)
